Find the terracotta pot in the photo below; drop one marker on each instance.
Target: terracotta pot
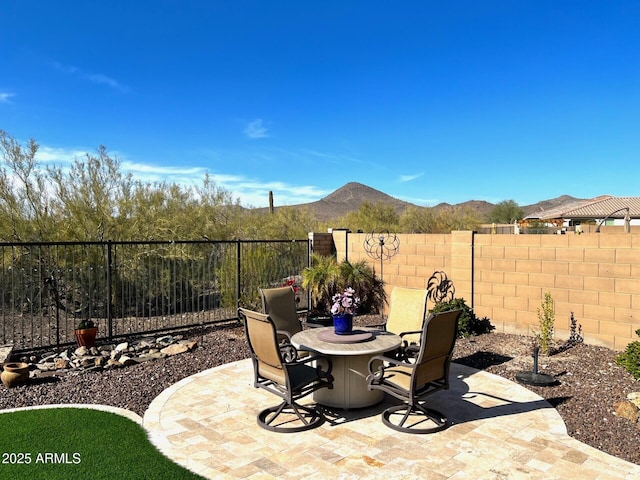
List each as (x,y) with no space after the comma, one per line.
(14,374)
(86,337)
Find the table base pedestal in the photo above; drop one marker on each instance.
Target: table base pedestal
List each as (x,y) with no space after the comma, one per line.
(349,384)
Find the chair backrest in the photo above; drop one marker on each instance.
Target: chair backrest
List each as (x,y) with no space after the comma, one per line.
(263,344)
(436,348)
(280,304)
(407,309)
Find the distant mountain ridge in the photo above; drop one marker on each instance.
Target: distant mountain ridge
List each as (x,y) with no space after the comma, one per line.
(352,195)
(349,198)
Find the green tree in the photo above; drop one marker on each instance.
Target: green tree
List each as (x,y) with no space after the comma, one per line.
(25,207)
(370,217)
(219,215)
(86,195)
(505,212)
(286,223)
(441,220)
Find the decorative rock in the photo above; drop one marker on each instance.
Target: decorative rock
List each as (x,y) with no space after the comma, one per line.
(152,355)
(174,349)
(81,351)
(627,410)
(88,362)
(46,366)
(49,358)
(126,361)
(189,343)
(83,359)
(61,363)
(165,340)
(634,397)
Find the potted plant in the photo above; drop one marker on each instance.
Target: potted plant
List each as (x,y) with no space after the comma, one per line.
(344,306)
(86,333)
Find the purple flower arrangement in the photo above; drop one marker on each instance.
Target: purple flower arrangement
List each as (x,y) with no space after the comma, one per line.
(345,303)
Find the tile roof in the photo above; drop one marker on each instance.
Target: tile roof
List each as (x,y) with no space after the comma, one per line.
(595,208)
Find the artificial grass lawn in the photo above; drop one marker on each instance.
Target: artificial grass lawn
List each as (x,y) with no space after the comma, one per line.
(79,443)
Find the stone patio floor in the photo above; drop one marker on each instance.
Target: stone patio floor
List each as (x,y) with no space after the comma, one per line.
(501,430)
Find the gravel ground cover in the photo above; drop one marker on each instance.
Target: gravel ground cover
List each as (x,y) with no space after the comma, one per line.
(589,382)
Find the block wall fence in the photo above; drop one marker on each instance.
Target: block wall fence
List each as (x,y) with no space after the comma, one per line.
(505,277)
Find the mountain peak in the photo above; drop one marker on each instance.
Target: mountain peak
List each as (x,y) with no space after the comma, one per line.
(354,191)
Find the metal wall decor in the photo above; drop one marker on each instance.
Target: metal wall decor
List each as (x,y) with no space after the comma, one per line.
(381,245)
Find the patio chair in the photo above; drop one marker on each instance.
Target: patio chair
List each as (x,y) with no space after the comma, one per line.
(407,309)
(412,382)
(280,304)
(289,380)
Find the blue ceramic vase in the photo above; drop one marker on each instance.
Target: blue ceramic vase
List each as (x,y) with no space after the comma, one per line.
(343,324)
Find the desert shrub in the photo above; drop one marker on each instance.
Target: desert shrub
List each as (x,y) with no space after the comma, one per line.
(468,323)
(630,358)
(546,318)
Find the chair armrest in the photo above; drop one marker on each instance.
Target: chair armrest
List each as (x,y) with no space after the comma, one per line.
(388,360)
(286,333)
(379,326)
(402,334)
(378,364)
(319,359)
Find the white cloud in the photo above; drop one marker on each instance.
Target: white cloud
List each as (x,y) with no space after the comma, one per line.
(59,155)
(5,97)
(252,192)
(155,169)
(408,178)
(255,193)
(256,129)
(98,78)
(103,79)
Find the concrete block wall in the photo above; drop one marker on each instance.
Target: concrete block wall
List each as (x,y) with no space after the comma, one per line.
(417,257)
(505,277)
(321,243)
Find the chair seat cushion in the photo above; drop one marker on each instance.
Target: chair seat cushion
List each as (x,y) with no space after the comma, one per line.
(398,376)
(302,375)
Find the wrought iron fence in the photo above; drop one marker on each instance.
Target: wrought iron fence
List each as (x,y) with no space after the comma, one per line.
(132,288)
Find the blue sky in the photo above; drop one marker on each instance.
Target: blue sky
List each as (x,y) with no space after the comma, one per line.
(427,101)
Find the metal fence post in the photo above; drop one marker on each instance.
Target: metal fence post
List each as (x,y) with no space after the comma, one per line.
(109,289)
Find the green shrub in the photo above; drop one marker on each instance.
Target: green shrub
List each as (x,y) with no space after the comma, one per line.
(326,277)
(630,358)
(468,324)
(547,318)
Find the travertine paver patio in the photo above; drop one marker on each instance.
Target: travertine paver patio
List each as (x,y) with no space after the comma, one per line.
(501,430)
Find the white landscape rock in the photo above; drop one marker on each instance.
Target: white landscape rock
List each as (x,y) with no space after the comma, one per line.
(75,361)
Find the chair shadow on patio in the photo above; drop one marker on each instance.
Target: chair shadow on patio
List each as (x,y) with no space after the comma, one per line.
(459,403)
